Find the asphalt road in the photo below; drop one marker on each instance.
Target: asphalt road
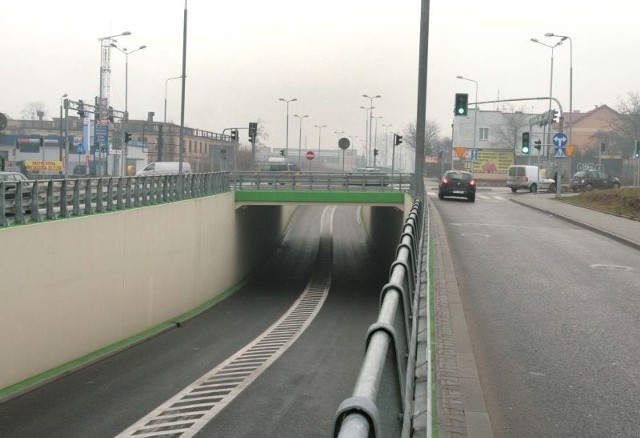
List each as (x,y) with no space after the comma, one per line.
(297,395)
(553,314)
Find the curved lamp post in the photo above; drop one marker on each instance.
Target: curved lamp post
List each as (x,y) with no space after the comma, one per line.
(300,138)
(319,136)
(287,101)
(371,108)
(126,98)
(563,38)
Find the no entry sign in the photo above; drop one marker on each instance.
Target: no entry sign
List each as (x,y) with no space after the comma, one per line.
(310,155)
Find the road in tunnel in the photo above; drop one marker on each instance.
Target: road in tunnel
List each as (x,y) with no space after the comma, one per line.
(296,396)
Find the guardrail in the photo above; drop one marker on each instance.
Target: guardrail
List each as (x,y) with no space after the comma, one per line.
(390,345)
(332,181)
(33,201)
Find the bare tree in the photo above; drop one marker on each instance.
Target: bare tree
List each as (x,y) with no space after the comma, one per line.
(34,111)
(509,132)
(625,130)
(432,136)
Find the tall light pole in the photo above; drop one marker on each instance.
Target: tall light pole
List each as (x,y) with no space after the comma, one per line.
(535,40)
(375,140)
(101,125)
(166,82)
(366,133)
(300,137)
(287,101)
(126,99)
(354,151)
(563,38)
(319,136)
(377,96)
(61,142)
(386,142)
(475,116)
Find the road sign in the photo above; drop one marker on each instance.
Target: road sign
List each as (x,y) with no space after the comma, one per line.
(310,155)
(474,155)
(80,148)
(460,151)
(344,143)
(560,143)
(560,139)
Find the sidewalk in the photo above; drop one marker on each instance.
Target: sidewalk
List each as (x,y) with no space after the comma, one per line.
(624,230)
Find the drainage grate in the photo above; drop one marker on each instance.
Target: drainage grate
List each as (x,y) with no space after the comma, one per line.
(191,409)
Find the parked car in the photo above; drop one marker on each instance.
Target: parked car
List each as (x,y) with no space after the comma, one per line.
(12,179)
(523,177)
(458,183)
(593,179)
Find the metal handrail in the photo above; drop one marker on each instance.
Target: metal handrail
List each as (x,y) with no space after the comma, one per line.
(358,415)
(326,181)
(34,201)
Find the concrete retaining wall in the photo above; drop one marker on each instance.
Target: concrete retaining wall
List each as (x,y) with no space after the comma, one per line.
(70,287)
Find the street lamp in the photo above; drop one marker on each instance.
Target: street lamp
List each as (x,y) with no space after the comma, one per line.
(61,143)
(375,140)
(105,83)
(166,82)
(105,61)
(475,116)
(126,98)
(377,96)
(300,138)
(319,136)
(386,142)
(563,38)
(287,124)
(366,133)
(535,40)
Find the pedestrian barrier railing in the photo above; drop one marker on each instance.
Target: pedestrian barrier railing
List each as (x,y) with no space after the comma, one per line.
(332,181)
(33,201)
(390,349)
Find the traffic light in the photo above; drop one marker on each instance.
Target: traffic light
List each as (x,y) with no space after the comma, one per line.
(282,152)
(538,144)
(554,116)
(462,104)
(397,139)
(110,114)
(81,109)
(41,141)
(602,147)
(127,137)
(375,152)
(253,130)
(525,143)
(234,135)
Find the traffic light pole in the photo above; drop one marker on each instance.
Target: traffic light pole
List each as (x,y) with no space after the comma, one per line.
(82,108)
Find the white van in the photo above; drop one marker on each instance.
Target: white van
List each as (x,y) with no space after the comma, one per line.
(164,168)
(523,177)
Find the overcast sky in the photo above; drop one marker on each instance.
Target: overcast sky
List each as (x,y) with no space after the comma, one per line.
(243,55)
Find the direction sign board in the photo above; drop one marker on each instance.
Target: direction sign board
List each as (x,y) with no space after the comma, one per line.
(560,143)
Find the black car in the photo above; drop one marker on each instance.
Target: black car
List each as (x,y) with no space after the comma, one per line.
(458,183)
(593,179)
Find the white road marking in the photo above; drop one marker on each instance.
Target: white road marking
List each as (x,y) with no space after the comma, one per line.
(186,413)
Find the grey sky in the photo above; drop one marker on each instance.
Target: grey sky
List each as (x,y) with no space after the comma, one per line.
(245,54)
